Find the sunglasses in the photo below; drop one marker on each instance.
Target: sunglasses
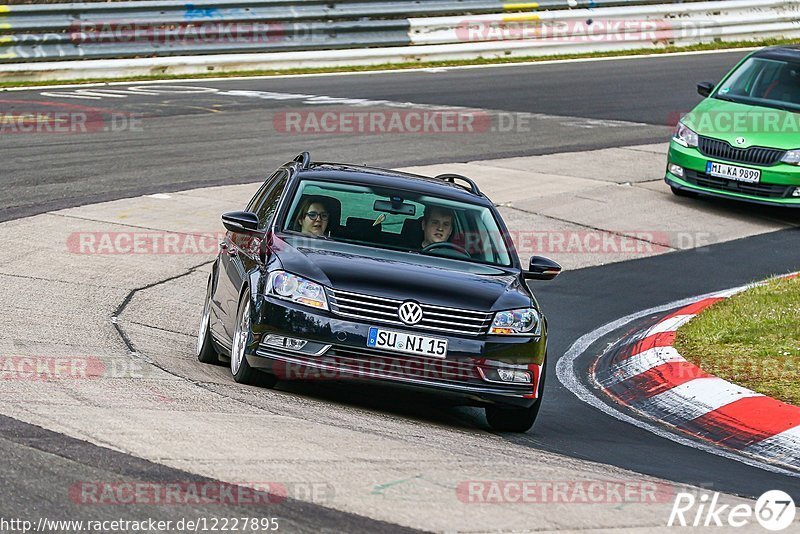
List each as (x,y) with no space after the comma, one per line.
(314,214)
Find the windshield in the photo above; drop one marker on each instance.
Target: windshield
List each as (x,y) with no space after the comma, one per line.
(764,82)
(397,220)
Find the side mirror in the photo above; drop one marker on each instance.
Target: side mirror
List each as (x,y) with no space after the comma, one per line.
(705,88)
(241,222)
(541,268)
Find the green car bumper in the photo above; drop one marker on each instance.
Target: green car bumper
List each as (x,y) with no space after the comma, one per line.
(778,186)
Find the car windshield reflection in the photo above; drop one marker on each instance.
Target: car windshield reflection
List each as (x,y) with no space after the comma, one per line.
(405,221)
(764,82)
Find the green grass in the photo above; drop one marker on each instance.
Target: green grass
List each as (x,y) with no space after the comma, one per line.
(751,339)
(413,65)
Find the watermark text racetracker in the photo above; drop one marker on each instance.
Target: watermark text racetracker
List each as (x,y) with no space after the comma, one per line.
(135,243)
(43,117)
(720,122)
(564,492)
(422,121)
(633,242)
(46,368)
(192,32)
(197,493)
(577,31)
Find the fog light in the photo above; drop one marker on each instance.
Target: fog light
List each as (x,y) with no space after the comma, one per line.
(796,192)
(677,170)
(287,343)
(509,376)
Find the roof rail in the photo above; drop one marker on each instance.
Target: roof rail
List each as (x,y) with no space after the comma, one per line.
(448,177)
(304,159)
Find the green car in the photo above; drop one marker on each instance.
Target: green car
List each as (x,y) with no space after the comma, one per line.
(743,140)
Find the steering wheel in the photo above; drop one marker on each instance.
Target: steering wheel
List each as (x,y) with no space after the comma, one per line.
(446,245)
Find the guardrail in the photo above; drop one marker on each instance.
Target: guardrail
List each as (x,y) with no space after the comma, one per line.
(47,32)
(615,27)
(158,38)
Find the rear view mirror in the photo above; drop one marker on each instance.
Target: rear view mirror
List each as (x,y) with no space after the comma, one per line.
(705,88)
(397,208)
(241,222)
(541,268)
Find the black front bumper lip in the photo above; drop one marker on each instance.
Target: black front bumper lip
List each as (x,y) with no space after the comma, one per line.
(482,394)
(724,195)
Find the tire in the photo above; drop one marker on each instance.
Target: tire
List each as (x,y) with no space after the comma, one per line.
(205,351)
(516,419)
(242,337)
(681,192)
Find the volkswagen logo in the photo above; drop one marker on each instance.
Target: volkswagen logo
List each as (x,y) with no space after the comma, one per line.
(410,312)
(740,140)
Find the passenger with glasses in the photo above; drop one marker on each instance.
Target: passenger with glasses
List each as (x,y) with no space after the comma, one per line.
(313,218)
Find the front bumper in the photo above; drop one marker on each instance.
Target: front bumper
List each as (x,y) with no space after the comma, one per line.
(337,350)
(774,189)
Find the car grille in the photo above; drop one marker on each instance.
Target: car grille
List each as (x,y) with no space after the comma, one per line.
(758,190)
(716,148)
(383,310)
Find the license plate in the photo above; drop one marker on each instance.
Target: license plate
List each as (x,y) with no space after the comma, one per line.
(408,343)
(732,172)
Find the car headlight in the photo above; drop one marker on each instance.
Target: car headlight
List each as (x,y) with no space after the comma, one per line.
(686,136)
(288,286)
(521,321)
(792,157)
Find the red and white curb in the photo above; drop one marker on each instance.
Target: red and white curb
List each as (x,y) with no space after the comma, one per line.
(651,377)
(677,400)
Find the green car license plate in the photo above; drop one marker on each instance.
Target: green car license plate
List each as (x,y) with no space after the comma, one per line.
(732,172)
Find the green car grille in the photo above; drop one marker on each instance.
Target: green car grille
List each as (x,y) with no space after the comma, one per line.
(716,148)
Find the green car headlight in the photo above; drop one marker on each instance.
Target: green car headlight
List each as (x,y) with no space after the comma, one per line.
(686,136)
(522,321)
(288,286)
(792,157)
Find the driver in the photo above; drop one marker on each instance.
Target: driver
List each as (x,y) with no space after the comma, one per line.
(437,225)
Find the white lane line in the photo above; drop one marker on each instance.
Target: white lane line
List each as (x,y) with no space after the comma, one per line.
(641,363)
(83,93)
(567,375)
(156,90)
(704,395)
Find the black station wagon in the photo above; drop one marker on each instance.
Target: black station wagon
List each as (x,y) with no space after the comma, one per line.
(344,272)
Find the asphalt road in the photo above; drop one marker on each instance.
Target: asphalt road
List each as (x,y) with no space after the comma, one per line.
(42,467)
(225,132)
(604,294)
(199,139)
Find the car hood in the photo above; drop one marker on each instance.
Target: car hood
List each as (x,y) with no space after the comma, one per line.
(399,275)
(759,126)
